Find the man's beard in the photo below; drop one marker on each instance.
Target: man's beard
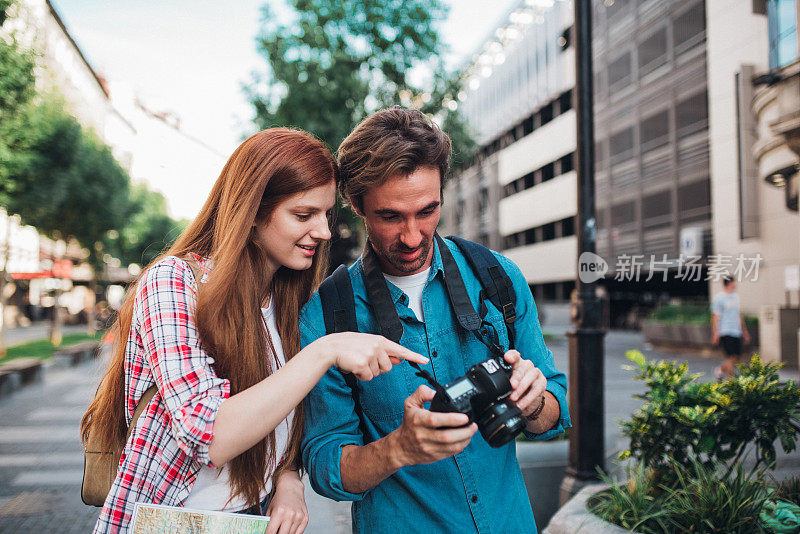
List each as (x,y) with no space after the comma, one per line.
(392,256)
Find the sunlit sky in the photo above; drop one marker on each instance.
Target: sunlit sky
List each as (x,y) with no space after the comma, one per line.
(192,58)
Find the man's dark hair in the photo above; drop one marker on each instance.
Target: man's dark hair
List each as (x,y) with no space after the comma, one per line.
(387,143)
(727,281)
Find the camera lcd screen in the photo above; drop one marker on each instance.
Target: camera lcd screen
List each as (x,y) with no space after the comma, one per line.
(459,388)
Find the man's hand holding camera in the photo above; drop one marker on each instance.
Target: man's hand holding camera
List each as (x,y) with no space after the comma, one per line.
(529,393)
(425,436)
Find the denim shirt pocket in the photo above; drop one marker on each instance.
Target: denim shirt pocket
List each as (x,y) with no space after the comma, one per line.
(383,397)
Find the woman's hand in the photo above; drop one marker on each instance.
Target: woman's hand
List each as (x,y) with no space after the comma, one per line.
(287,510)
(364,355)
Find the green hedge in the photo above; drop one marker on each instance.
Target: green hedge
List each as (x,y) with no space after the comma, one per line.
(693,314)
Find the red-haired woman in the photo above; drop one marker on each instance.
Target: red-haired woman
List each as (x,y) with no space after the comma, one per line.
(223,430)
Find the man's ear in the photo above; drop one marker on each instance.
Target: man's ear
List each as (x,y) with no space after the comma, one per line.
(358,207)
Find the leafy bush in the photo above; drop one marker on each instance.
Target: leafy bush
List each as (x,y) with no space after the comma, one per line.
(634,504)
(705,498)
(683,313)
(751,322)
(682,420)
(789,490)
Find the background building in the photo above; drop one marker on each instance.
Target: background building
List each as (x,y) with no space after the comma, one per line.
(677,174)
(518,195)
(754,125)
(149,144)
(652,146)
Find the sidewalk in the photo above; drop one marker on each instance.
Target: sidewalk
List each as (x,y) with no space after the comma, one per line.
(41,458)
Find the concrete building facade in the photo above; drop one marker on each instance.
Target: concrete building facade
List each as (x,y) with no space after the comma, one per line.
(754,128)
(518,195)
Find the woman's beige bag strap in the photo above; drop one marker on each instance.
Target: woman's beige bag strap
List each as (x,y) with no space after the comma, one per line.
(100,466)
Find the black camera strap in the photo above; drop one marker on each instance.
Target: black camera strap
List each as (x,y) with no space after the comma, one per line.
(384,309)
(338,304)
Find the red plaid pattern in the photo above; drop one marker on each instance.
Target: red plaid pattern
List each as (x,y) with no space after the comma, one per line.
(170,441)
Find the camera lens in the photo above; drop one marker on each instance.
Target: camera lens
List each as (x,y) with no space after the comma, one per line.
(500,423)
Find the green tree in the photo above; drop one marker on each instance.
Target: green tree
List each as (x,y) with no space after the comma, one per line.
(17,87)
(336,61)
(45,148)
(148,229)
(63,180)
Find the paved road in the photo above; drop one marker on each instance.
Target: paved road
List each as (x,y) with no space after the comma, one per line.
(41,461)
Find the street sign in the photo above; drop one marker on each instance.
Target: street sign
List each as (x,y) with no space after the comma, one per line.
(791,278)
(691,241)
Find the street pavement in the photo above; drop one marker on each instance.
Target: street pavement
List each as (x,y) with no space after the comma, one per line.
(41,458)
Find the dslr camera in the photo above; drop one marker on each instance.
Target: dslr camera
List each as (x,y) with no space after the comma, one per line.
(482,394)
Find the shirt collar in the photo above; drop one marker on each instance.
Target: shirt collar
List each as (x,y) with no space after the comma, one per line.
(397,294)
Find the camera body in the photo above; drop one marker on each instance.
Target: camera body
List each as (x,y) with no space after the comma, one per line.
(482,394)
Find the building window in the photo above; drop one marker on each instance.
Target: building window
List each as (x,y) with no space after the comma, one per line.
(545,232)
(692,112)
(568,227)
(619,71)
(546,113)
(689,24)
(654,131)
(549,231)
(483,201)
(548,172)
(623,213)
(782,21)
(653,51)
(694,196)
(566,163)
(542,174)
(565,101)
(656,208)
(621,144)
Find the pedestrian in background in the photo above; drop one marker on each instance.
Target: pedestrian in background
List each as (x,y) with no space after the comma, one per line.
(223,430)
(727,328)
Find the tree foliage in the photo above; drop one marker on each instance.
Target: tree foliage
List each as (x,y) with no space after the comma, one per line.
(335,61)
(148,229)
(339,60)
(17,88)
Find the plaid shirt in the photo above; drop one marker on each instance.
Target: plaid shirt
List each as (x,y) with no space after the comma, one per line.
(170,441)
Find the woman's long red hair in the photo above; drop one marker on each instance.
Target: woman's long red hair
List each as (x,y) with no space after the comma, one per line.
(266,169)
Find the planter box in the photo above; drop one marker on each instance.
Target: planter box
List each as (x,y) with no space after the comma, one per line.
(575,517)
(696,336)
(543,465)
(655,332)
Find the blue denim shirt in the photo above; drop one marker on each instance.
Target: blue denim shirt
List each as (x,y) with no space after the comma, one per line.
(479,490)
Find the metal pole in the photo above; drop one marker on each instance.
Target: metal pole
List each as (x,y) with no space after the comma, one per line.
(586,384)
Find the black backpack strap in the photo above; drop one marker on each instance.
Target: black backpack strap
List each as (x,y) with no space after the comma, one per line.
(496,283)
(339,314)
(338,302)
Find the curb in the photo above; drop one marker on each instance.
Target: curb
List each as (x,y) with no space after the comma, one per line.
(575,517)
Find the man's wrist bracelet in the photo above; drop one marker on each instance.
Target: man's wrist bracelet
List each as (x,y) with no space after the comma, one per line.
(533,416)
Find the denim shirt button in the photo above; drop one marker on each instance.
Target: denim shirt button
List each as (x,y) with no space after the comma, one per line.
(474,498)
(434,354)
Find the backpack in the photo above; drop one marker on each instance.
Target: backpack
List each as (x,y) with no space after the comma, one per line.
(339,311)
(100,466)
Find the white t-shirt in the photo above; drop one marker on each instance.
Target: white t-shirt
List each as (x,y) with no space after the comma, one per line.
(412,285)
(212,487)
